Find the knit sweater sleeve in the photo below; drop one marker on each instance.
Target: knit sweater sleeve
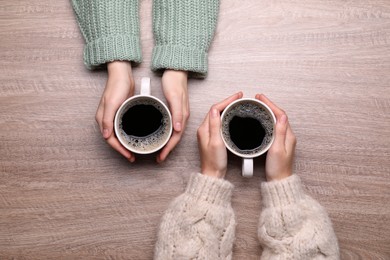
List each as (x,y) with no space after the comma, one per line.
(293,225)
(110,29)
(200,223)
(183,31)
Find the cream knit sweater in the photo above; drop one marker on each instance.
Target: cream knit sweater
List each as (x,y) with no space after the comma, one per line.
(200,223)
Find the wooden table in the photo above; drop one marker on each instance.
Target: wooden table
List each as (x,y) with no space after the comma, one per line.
(65,194)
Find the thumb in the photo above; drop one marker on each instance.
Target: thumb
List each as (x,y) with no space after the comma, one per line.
(214,124)
(281,132)
(108,120)
(177,114)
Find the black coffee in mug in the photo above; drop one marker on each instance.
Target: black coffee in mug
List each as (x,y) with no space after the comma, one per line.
(144,124)
(247,127)
(246,133)
(149,115)
(247,130)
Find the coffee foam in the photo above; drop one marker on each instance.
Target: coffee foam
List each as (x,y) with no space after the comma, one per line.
(252,110)
(150,142)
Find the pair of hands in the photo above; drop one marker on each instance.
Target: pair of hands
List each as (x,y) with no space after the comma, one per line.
(120,86)
(213,152)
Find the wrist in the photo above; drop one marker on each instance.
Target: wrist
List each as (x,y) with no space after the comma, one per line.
(214,173)
(177,74)
(278,177)
(120,69)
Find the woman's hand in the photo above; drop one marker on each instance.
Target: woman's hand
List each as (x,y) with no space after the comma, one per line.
(212,149)
(280,156)
(119,87)
(174,84)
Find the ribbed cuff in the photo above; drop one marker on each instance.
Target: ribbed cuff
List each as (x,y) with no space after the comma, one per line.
(118,47)
(209,189)
(180,58)
(282,193)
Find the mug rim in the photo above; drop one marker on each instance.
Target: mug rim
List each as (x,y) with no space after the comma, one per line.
(116,124)
(273,134)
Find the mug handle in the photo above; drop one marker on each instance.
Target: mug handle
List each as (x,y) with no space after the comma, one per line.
(247,167)
(145,86)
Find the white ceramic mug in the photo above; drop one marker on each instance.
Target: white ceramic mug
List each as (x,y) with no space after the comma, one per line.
(143,123)
(243,121)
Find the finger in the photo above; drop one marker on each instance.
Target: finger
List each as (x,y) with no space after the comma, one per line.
(204,129)
(224,103)
(175,139)
(108,119)
(185,112)
(177,114)
(203,134)
(205,123)
(291,140)
(275,109)
(280,132)
(215,124)
(99,117)
(114,143)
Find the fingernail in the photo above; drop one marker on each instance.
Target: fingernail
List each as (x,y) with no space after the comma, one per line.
(214,113)
(178,126)
(132,159)
(105,133)
(283,119)
(159,160)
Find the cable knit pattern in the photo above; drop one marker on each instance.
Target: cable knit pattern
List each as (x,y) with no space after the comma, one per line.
(183,31)
(110,29)
(293,225)
(200,223)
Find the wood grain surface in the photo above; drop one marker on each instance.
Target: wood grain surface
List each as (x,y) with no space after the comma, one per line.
(65,194)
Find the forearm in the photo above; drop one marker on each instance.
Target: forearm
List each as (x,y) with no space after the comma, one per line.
(110,29)
(183,31)
(199,223)
(293,225)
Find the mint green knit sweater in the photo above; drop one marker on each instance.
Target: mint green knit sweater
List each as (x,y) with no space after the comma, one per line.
(183,31)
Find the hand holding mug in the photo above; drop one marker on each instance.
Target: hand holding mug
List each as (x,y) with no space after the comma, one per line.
(143,123)
(280,156)
(119,86)
(212,149)
(248,130)
(174,85)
